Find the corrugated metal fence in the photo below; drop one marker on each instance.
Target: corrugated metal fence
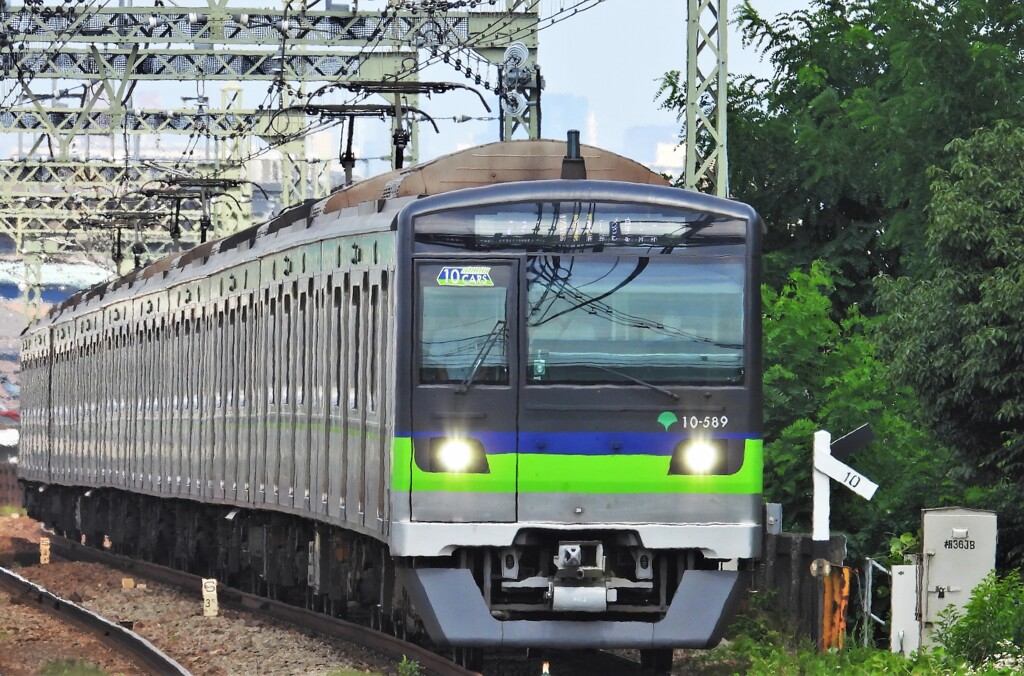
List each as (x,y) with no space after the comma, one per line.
(785,568)
(9,492)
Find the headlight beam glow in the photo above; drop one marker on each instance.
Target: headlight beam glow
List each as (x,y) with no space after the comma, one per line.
(456,455)
(700,457)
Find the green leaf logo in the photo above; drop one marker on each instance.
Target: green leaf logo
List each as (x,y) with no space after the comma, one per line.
(667,419)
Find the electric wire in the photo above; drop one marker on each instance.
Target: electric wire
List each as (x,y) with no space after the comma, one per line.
(452,54)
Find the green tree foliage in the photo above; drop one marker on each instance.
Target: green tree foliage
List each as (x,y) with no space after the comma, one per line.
(992,624)
(823,373)
(956,334)
(833,149)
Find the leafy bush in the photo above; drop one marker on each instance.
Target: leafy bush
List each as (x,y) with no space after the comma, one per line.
(408,667)
(763,641)
(989,632)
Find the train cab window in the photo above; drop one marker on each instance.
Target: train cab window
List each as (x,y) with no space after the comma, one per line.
(619,319)
(463,331)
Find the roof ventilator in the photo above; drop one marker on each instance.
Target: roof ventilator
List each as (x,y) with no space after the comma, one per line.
(573,164)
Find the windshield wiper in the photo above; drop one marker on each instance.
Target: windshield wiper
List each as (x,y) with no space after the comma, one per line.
(481,356)
(656,388)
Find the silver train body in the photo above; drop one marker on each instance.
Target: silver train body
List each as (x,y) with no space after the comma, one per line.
(271,407)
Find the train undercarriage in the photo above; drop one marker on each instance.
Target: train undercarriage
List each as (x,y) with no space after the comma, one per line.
(549,589)
(281,556)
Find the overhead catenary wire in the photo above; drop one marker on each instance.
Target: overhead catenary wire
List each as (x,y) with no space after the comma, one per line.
(562,14)
(390,14)
(444,46)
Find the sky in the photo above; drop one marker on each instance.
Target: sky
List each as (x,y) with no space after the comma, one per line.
(602,69)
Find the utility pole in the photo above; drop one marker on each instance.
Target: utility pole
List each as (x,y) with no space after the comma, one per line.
(707,92)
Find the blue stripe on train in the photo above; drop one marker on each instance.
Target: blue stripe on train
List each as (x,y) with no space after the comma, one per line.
(586,443)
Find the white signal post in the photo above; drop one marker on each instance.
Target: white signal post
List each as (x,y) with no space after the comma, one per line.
(826,466)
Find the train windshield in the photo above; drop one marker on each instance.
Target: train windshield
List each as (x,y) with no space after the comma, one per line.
(594,319)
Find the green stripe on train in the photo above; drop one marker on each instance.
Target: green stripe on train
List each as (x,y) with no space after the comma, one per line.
(541,473)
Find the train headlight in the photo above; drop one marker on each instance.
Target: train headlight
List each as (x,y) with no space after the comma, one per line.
(457,455)
(700,456)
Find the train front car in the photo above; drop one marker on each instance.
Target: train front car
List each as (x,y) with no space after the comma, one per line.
(578,444)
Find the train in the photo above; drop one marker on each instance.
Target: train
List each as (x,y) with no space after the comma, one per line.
(510,397)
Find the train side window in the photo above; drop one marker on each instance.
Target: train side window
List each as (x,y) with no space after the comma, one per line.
(338,307)
(287,354)
(301,347)
(232,356)
(142,377)
(219,365)
(244,345)
(355,345)
(197,341)
(272,353)
(320,362)
(186,355)
(373,347)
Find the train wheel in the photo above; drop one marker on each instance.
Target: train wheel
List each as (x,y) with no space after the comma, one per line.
(400,618)
(656,661)
(469,658)
(398,627)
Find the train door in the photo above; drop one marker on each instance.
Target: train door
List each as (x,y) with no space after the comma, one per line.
(465,379)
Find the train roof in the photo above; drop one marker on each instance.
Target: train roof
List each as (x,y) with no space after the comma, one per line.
(501,162)
(494,163)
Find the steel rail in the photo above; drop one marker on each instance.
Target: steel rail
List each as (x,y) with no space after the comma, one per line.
(122,641)
(294,615)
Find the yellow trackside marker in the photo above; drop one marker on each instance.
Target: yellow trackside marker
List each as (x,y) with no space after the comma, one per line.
(209,597)
(44,551)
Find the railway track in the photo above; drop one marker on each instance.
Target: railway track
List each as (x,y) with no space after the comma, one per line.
(123,641)
(232,598)
(498,663)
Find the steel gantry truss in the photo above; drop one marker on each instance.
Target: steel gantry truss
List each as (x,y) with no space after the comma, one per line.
(55,188)
(220,23)
(706,96)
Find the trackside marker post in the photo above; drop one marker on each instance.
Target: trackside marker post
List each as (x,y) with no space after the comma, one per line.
(209,597)
(827,466)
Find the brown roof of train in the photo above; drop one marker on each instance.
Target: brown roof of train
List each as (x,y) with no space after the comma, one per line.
(500,162)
